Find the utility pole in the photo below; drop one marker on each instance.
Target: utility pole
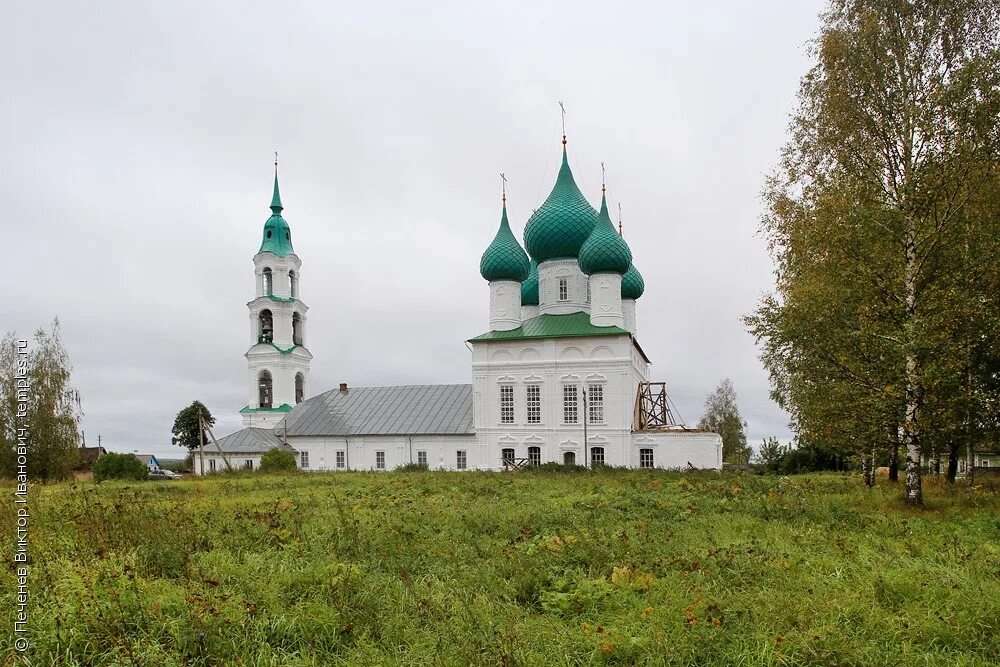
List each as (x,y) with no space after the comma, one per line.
(201,442)
(584,427)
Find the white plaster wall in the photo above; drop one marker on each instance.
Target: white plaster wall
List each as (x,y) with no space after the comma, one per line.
(549,273)
(628,313)
(606,300)
(442,451)
(678,449)
(527,312)
(237,461)
(505,305)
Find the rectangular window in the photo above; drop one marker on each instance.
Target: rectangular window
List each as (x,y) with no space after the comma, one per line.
(380,460)
(421,458)
(645,458)
(341,459)
(563,289)
(535,456)
(597,456)
(211,465)
(506,404)
(570,408)
(248,464)
(595,404)
(461,461)
(305,459)
(534,403)
(507,455)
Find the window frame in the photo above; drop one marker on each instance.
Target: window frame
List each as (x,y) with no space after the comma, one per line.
(533,405)
(507,403)
(504,458)
(461,459)
(594,455)
(563,288)
(211,465)
(571,406)
(340,459)
(304,460)
(593,407)
(646,458)
(534,455)
(422,454)
(380,459)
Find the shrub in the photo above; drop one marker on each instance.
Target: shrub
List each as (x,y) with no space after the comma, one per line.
(119,466)
(278,460)
(414,467)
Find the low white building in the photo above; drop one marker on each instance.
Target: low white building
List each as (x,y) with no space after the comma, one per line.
(559,377)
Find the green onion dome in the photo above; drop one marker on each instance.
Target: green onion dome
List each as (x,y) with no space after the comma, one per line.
(504,259)
(605,251)
(632,283)
(563,222)
(529,288)
(277,236)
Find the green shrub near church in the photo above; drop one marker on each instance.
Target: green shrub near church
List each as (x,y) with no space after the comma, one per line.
(278,460)
(529,568)
(119,466)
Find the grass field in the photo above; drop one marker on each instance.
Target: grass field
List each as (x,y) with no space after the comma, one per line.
(527,568)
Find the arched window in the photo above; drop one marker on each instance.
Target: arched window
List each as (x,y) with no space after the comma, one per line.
(296,329)
(300,387)
(265,327)
(264,390)
(268,282)
(293,284)
(569,458)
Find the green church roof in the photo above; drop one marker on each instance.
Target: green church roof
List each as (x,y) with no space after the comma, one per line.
(563,222)
(553,326)
(604,250)
(504,259)
(529,288)
(632,283)
(277,236)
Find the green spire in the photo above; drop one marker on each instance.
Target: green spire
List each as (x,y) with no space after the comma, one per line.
(504,259)
(276,206)
(604,250)
(563,222)
(277,235)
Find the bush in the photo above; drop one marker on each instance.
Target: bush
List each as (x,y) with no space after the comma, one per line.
(278,460)
(414,467)
(119,466)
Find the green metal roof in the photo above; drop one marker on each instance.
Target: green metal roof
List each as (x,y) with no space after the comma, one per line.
(605,251)
(563,222)
(283,351)
(284,299)
(529,288)
(632,283)
(284,407)
(277,235)
(504,259)
(553,326)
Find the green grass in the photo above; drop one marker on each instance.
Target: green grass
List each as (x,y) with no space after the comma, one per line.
(510,569)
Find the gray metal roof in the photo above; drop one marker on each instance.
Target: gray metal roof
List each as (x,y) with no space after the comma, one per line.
(247,441)
(425,409)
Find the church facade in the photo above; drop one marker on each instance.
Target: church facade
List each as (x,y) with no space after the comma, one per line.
(559,377)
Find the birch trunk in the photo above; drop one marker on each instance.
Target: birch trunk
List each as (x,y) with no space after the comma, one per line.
(911,427)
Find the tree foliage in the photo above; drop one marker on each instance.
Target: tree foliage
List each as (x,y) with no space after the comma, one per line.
(722,416)
(53,407)
(119,466)
(187,431)
(877,218)
(278,460)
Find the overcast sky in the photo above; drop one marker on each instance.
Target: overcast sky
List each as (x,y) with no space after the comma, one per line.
(137,170)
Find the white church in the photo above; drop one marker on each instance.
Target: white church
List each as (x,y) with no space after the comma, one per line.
(559,377)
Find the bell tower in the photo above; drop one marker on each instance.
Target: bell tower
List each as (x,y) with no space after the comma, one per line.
(278,360)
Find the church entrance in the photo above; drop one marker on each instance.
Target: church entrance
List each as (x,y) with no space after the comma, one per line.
(569,458)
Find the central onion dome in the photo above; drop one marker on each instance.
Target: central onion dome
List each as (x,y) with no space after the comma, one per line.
(563,222)
(277,235)
(604,250)
(504,259)
(529,288)
(632,283)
